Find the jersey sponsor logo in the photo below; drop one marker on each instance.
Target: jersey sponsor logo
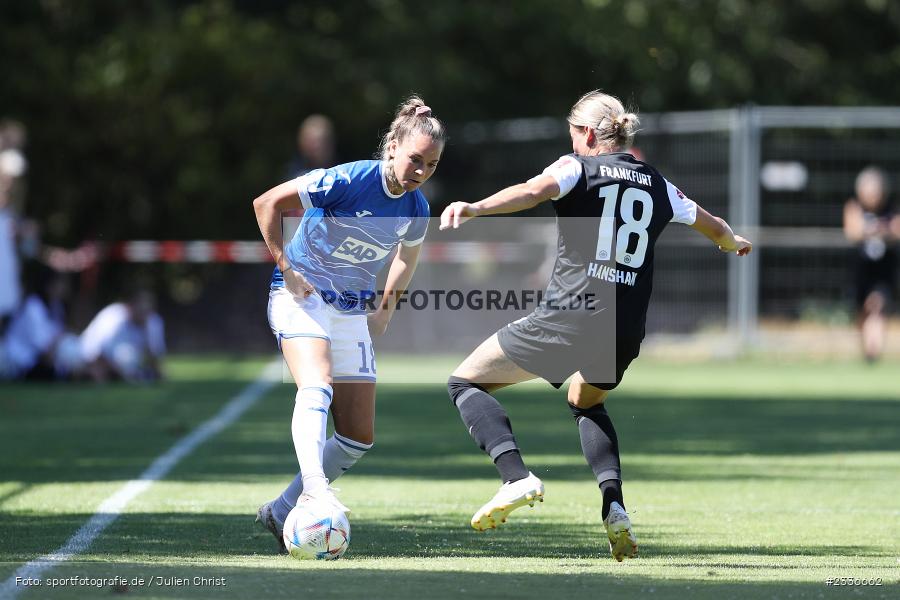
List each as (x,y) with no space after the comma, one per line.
(362,213)
(357,251)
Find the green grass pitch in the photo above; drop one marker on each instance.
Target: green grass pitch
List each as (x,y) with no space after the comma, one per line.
(744,479)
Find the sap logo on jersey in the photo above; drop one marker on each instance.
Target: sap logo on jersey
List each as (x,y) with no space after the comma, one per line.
(357,251)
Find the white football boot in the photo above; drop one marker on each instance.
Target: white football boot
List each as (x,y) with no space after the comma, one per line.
(324,494)
(510,497)
(622,543)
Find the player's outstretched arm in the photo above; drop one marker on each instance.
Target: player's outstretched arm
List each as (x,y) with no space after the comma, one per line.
(509,200)
(268,208)
(399,275)
(720,233)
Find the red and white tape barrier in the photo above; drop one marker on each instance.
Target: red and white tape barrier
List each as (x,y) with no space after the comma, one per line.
(202,251)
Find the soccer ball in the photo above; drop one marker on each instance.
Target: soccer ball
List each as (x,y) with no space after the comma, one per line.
(316,530)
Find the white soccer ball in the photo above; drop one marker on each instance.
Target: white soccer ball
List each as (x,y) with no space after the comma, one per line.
(316,530)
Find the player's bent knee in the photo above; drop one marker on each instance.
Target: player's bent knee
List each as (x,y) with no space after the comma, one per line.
(586,396)
(457,386)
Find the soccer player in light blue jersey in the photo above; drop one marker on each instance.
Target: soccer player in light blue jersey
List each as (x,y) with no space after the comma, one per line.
(355,216)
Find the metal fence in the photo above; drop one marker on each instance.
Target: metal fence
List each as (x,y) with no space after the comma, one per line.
(780,175)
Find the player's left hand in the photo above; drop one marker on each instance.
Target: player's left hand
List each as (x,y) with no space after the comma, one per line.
(378,322)
(743,246)
(456,214)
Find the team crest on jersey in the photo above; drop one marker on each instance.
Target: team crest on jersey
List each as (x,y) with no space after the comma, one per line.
(357,251)
(561,162)
(317,183)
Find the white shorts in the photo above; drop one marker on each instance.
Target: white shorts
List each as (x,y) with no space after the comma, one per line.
(352,353)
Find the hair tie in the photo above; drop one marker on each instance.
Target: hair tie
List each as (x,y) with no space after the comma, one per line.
(423,110)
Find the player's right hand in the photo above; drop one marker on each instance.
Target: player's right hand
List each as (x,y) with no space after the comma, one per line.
(296,283)
(456,214)
(378,322)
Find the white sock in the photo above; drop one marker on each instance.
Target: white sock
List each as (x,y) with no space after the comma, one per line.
(308,428)
(340,454)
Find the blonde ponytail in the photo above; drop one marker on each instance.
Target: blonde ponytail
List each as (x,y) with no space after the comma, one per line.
(607,117)
(412,116)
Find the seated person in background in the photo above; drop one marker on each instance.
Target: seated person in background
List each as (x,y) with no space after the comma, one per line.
(125,341)
(36,344)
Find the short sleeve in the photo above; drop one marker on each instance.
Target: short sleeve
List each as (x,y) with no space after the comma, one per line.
(415,234)
(322,188)
(684,210)
(566,171)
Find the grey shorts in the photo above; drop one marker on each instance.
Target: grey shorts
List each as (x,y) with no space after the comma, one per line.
(554,354)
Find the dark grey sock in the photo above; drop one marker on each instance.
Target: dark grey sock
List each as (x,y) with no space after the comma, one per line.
(612,492)
(600,446)
(511,466)
(489,425)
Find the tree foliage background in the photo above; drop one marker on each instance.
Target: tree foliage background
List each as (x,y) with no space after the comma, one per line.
(161,119)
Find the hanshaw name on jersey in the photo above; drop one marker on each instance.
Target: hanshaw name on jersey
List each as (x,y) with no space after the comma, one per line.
(611,274)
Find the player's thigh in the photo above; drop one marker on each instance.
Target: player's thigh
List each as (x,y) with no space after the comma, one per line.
(606,371)
(302,327)
(353,410)
(584,395)
(490,368)
(352,351)
(354,372)
(308,358)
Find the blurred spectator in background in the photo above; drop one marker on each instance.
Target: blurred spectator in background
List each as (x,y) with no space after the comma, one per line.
(315,150)
(125,341)
(21,238)
(315,146)
(874,226)
(12,167)
(36,344)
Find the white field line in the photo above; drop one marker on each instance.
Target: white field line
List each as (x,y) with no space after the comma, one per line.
(112,507)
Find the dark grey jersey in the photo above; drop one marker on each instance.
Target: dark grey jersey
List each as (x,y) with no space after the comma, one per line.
(610,212)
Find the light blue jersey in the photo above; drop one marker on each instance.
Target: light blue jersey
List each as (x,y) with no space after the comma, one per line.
(350,227)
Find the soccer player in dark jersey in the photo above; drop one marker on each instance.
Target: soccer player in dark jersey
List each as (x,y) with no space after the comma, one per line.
(872,224)
(611,209)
